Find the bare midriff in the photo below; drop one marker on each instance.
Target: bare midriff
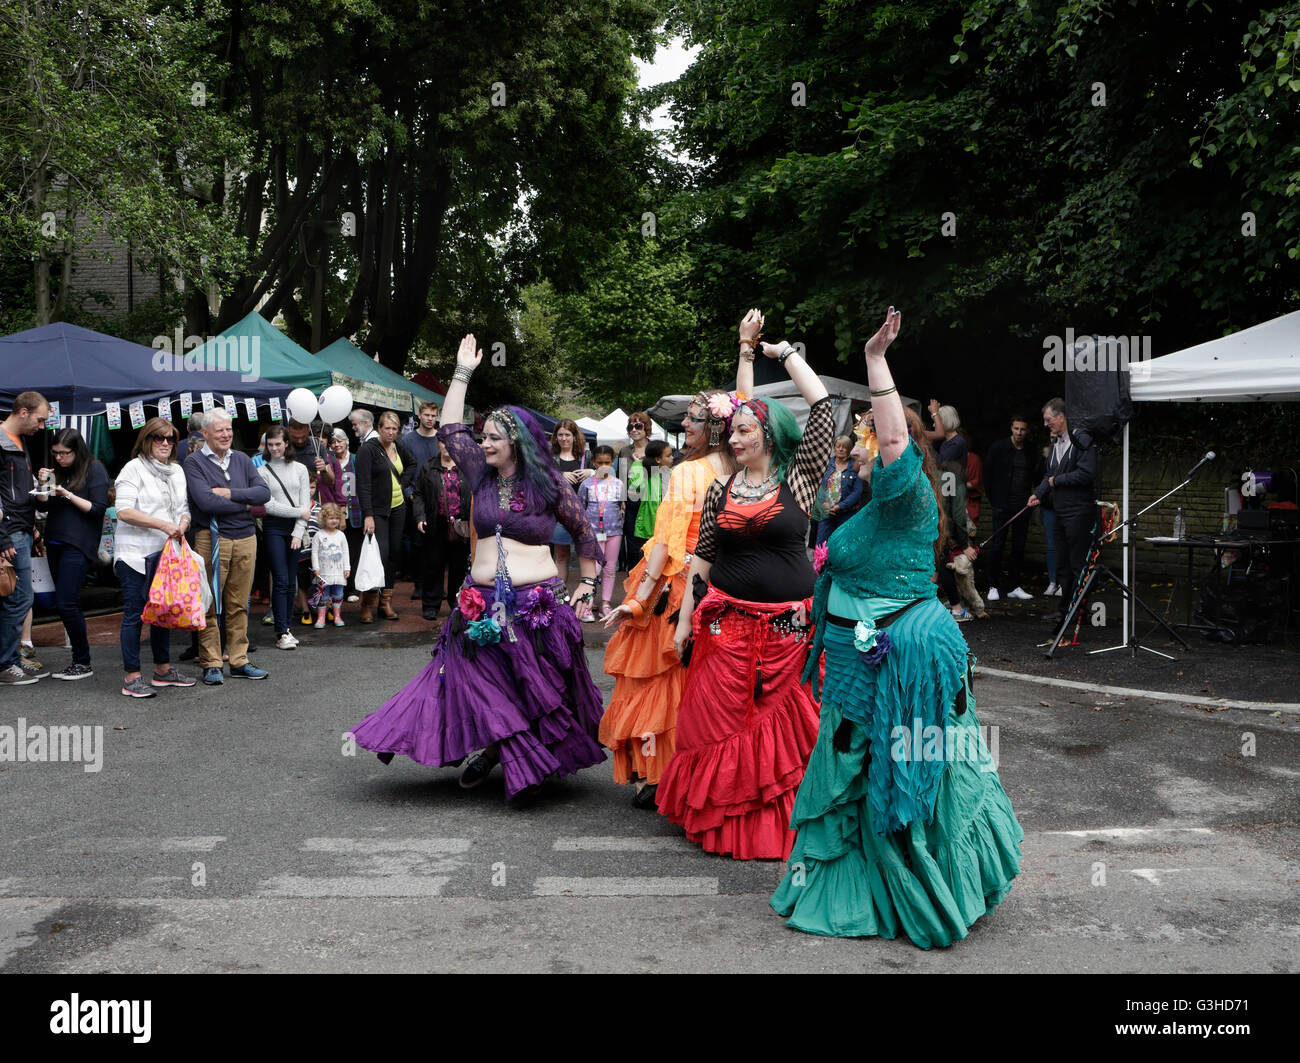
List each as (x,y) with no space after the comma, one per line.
(527,564)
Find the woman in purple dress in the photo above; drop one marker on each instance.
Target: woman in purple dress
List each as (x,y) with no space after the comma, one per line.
(508,683)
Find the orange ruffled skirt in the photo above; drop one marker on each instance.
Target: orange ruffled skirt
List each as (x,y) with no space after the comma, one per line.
(741,748)
(640,725)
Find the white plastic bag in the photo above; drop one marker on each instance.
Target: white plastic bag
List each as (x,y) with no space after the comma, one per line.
(370,569)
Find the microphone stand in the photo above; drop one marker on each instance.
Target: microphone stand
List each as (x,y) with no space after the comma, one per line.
(1081,590)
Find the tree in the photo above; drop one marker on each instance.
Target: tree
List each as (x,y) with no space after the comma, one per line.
(474,147)
(103,128)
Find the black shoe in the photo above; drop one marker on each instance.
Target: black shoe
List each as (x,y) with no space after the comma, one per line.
(645,797)
(477,768)
(430,614)
(192,654)
(417,592)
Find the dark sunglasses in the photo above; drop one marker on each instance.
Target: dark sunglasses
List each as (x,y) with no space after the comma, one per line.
(163,439)
(636,424)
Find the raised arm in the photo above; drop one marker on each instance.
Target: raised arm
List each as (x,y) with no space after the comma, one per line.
(886,406)
(750,329)
(467,360)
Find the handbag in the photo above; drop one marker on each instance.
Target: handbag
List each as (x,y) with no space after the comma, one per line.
(8,578)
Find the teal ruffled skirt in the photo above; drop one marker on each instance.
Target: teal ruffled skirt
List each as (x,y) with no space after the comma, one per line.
(934,877)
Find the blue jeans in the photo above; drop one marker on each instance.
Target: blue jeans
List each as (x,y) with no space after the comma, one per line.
(1049,533)
(135,593)
(69,566)
(13,610)
(283,560)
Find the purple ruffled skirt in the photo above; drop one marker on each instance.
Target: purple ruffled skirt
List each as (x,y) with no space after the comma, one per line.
(534,697)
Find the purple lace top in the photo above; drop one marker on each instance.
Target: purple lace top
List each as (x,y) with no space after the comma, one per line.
(529,525)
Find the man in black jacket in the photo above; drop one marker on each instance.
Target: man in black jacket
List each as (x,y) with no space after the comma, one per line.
(1011,470)
(1070,488)
(27,418)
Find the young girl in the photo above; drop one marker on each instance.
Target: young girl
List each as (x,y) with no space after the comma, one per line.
(602,499)
(331,561)
(658,466)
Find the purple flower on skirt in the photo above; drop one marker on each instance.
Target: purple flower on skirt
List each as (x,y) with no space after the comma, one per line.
(539,608)
(877,652)
(485,632)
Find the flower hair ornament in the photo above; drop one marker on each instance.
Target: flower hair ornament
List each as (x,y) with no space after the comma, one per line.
(721,407)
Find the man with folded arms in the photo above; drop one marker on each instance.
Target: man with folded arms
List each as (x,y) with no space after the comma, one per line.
(223,485)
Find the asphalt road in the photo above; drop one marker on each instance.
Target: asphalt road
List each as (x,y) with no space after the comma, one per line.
(228,830)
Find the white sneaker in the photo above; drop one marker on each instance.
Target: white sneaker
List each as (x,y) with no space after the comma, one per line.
(1051,589)
(286,642)
(1020,594)
(993,595)
(354,597)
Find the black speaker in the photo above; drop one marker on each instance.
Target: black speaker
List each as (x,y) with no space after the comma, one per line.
(1097,396)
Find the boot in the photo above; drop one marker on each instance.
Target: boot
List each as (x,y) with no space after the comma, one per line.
(368,606)
(386,605)
(338,614)
(320,617)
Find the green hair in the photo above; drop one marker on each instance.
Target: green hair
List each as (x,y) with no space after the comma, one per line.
(779,425)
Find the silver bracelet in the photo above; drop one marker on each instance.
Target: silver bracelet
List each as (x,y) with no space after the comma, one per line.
(462,373)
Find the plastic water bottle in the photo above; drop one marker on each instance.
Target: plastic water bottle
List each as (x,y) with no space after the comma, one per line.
(1180,525)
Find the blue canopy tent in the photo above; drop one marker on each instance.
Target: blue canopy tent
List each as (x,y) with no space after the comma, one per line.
(83,371)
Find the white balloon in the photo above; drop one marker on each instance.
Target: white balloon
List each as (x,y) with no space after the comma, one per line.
(301,404)
(335,403)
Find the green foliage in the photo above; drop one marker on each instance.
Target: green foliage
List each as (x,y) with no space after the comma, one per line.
(100,133)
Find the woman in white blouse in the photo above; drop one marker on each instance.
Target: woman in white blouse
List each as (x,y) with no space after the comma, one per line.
(151,508)
(285,527)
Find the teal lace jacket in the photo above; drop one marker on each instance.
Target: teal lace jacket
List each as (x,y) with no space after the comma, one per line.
(886,549)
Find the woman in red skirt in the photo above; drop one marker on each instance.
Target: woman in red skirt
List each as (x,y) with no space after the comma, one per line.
(747,724)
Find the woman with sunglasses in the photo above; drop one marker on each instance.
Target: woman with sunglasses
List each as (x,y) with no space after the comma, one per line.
(76,505)
(903,825)
(151,508)
(628,464)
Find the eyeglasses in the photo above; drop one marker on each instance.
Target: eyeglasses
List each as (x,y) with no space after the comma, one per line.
(169,440)
(61,453)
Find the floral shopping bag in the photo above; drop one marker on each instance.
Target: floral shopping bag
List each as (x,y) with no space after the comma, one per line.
(176,594)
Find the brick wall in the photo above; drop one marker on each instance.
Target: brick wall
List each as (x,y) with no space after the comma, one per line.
(100,265)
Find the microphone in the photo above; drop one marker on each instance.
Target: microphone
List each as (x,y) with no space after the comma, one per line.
(1209,457)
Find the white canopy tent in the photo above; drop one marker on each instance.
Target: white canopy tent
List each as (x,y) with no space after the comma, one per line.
(1257,364)
(612,428)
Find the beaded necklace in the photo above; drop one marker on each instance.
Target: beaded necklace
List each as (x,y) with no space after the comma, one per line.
(510,493)
(744,491)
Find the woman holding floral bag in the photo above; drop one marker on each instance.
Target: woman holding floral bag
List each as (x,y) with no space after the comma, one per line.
(896,833)
(151,508)
(508,683)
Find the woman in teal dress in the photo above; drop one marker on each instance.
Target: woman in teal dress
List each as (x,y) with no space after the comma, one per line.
(903,825)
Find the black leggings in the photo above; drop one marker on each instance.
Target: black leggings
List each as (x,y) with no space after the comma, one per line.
(388,537)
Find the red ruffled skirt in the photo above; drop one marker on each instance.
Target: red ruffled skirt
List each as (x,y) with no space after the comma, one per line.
(640,725)
(746,726)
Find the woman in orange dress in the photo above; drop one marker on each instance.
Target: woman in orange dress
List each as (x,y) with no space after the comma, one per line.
(640,724)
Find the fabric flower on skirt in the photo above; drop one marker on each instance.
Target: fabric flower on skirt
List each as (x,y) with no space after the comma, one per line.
(872,643)
(470,602)
(819,558)
(539,608)
(485,632)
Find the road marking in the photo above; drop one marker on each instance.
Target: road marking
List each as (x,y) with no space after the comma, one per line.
(1155,874)
(354,886)
(204,843)
(614,844)
(1127,833)
(371,846)
(1290,707)
(625,887)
